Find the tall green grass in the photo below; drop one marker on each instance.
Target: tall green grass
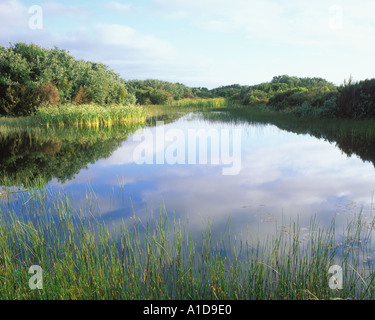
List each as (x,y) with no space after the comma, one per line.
(201,103)
(157,257)
(89,115)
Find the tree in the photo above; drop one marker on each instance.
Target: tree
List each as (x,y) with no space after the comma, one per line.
(159,96)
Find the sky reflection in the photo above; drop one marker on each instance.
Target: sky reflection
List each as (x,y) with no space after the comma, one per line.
(282,175)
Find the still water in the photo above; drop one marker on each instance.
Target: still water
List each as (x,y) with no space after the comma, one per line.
(249,174)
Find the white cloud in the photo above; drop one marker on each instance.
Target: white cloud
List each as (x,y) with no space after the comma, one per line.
(128,38)
(57,8)
(15,19)
(131,53)
(13,14)
(292,22)
(294,176)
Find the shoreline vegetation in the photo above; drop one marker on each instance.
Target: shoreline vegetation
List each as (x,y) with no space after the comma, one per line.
(32,78)
(88,115)
(157,257)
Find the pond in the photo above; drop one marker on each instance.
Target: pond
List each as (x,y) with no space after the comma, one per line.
(202,167)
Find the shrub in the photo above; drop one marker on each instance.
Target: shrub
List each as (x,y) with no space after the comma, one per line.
(280,101)
(81,98)
(31,76)
(159,96)
(357,100)
(302,110)
(19,100)
(130,99)
(328,109)
(48,94)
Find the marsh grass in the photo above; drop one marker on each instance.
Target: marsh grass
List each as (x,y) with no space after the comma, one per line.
(89,115)
(158,258)
(201,103)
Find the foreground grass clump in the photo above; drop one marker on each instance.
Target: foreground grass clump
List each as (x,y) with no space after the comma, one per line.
(158,258)
(89,115)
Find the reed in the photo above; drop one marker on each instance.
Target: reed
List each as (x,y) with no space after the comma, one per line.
(157,258)
(201,103)
(89,115)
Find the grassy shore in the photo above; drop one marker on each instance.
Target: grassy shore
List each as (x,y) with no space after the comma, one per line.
(89,115)
(157,258)
(201,103)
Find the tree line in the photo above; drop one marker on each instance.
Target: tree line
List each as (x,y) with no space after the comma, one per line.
(307,96)
(31,76)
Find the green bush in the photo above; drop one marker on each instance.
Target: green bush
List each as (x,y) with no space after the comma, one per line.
(302,110)
(159,96)
(357,100)
(31,76)
(328,109)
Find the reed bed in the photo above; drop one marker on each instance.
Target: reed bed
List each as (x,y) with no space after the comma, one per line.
(201,103)
(157,258)
(89,115)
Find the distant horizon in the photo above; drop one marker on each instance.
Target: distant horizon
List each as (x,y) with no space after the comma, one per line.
(203,43)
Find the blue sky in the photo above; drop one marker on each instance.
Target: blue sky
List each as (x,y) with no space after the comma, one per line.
(206,43)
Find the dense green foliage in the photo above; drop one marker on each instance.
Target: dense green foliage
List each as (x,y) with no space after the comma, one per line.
(357,100)
(262,93)
(160,92)
(31,76)
(281,93)
(350,100)
(306,96)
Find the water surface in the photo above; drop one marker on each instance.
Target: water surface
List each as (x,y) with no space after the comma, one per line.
(282,175)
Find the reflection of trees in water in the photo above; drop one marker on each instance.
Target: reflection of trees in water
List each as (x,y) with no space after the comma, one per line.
(348,135)
(165,116)
(27,158)
(35,157)
(349,143)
